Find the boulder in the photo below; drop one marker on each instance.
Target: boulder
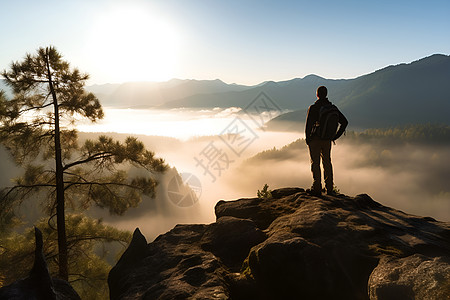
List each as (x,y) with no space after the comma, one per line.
(230,239)
(414,277)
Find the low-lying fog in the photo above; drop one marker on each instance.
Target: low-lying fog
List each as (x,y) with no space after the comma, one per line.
(218,164)
(202,144)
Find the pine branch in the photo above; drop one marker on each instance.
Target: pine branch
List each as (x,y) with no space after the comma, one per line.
(97,156)
(29,187)
(35,107)
(73,239)
(105,184)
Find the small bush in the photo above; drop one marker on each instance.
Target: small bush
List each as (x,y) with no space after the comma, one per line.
(265,193)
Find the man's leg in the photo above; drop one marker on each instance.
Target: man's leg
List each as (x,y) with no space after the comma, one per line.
(314,152)
(327,166)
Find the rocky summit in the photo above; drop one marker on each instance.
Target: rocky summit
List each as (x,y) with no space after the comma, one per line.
(291,246)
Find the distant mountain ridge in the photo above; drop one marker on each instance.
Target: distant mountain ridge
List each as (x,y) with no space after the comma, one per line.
(407,93)
(396,95)
(151,94)
(291,94)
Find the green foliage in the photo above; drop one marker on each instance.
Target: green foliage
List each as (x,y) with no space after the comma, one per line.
(29,80)
(106,153)
(8,218)
(336,189)
(265,193)
(40,82)
(16,255)
(90,242)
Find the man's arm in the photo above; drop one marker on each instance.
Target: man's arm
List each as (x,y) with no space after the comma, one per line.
(343,125)
(308,127)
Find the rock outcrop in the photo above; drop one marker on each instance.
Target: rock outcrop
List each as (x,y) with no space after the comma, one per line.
(39,285)
(293,246)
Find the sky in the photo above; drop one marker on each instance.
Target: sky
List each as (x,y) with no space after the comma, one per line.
(244,42)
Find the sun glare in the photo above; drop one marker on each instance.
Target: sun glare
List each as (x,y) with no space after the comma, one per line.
(133,44)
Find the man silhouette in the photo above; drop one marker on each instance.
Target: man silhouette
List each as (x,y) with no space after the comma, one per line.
(320,147)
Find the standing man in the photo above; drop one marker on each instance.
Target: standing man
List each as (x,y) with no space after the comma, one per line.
(321,129)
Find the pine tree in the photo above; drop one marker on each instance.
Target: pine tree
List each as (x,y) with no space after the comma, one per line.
(37,126)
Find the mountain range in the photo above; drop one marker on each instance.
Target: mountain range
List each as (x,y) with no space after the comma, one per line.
(407,93)
(155,94)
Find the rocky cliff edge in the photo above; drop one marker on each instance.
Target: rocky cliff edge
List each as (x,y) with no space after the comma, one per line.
(292,246)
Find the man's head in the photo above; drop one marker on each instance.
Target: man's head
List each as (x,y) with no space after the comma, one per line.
(322,92)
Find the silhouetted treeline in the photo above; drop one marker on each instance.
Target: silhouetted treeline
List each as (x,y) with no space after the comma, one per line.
(290,151)
(419,133)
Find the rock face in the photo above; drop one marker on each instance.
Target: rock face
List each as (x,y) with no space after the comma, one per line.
(38,285)
(413,277)
(293,246)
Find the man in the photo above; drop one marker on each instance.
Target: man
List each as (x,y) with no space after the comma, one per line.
(320,146)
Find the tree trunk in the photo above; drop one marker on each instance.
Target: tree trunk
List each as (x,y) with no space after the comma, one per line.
(60,210)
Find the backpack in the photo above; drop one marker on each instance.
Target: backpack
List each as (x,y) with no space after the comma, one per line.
(328,123)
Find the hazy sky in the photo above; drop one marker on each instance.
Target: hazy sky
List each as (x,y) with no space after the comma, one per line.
(245,42)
